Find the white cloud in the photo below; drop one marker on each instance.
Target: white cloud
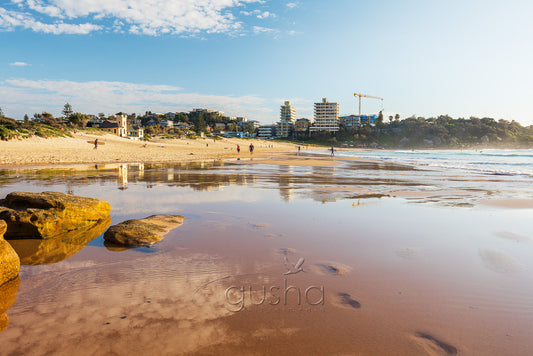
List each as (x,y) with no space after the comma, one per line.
(265,14)
(21,96)
(19,64)
(292,5)
(135,16)
(260,29)
(10,20)
(37,5)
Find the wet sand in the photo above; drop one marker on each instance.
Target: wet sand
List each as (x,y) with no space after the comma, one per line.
(384,260)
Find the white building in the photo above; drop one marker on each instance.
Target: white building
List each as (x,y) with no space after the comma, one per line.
(122,123)
(326,116)
(253,124)
(266,131)
(287,119)
(166,123)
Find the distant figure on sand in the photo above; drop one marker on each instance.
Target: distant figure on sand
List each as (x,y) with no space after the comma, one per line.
(95,144)
(238,149)
(332,151)
(251,148)
(298,149)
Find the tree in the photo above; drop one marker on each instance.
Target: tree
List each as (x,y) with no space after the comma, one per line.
(78,119)
(26,118)
(48,119)
(67,110)
(200,124)
(379,119)
(1,113)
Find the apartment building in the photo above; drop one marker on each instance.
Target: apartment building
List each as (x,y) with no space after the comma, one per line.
(326,116)
(287,119)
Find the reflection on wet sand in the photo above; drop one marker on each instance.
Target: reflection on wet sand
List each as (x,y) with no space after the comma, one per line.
(59,248)
(371,274)
(311,177)
(119,308)
(8,295)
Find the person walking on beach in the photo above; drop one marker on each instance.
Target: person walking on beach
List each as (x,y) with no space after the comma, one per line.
(238,149)
(332,151)
(96,144)
(251,148)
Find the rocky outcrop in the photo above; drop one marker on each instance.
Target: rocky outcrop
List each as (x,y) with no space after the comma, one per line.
(9,260)
(48,214)
(59,248)
(8,295)
(141,233)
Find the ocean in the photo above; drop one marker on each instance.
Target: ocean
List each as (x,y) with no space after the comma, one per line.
(486,161)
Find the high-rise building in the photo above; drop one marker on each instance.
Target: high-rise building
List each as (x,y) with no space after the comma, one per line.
(326,116)
(287,118)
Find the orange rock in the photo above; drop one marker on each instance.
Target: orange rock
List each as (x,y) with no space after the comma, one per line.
(9,260)
(143,232)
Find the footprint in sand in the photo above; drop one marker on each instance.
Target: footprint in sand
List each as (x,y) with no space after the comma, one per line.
(274,235)
(259,226)
(333,268)
(434,346)
(347,300)
(286,251)
(512,236)
(409,253)
(498,261)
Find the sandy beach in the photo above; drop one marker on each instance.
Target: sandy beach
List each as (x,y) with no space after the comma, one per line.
(114,149)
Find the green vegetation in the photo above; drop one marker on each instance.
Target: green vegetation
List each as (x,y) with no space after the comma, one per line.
(440,132)
(10,129)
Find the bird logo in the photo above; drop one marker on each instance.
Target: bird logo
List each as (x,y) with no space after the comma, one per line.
(297,268)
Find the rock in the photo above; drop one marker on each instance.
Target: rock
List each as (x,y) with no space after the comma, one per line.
(141,233)
(48,214)
(485,139)
(9,260)
(59,248)
(8,295)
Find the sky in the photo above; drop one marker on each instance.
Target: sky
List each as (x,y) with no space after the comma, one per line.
(246,57)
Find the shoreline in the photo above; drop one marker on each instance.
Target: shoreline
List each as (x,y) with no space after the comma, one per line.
(42,152)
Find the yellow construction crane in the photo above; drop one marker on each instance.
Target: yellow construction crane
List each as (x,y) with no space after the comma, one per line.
(366,96)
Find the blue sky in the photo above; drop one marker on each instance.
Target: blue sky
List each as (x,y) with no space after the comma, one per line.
(245,57)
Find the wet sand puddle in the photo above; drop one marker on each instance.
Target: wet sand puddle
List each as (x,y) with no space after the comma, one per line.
(262,265)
